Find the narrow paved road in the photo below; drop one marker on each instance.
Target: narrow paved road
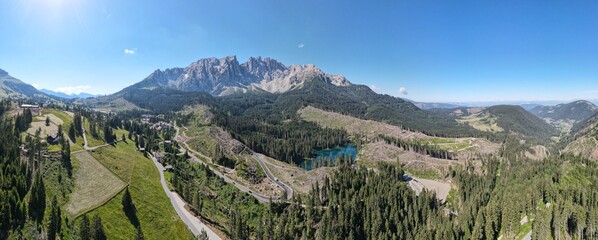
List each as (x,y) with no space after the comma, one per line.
(259,197)
(86,147)
(287,189)
(528,236)
(178,203)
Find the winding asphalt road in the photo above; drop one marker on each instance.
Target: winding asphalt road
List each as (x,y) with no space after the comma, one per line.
(262,198)
(178,203)
(287,189)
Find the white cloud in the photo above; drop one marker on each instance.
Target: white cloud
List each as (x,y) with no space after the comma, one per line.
(129,51)
(301,45)
(73,90)
(374,88)
(403,91)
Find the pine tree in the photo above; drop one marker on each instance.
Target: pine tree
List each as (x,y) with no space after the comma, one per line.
(72,134)
(48,121)
(97,232)
(65,157)
(107,134)
(84,231)
(55,221)
(37,199)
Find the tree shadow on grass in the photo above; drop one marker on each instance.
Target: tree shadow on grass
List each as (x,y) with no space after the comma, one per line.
(132,216)
(129,208)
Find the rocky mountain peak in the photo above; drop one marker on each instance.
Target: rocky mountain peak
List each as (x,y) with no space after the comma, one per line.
(223,76)
(3,73)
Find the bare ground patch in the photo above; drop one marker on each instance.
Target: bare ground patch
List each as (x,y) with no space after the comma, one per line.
(584,146)
(537,152)
(297,178)
(204,139)
(441,188)
(373,153)
(465,148)
(355,125)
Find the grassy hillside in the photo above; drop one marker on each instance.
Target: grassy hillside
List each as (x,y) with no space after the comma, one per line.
(157,217)
(512,119)
(94,184)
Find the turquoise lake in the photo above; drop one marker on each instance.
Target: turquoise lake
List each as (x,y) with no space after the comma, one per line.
(323,156)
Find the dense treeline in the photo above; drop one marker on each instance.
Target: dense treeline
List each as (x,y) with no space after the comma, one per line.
(354,100)
(291,142)
(359,204)
(15,178)
(559,194)
(268,126)
(557,197)
(418,147)
(208,195)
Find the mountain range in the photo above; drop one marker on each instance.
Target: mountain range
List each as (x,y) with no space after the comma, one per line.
(226,76)
(15,88)
(576,111)
(67,96)
(267,82)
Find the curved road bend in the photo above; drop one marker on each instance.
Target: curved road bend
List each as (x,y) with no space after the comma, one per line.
(287,189)
(259,197)
(178,203)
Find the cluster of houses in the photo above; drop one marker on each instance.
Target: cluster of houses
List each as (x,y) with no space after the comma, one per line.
(162,125)
(146,118)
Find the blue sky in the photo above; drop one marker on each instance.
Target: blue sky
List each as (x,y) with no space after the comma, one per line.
(435,50)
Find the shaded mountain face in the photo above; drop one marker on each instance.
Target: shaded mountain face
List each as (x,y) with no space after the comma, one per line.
(582,138)
(15,88)
(576,111)
(517,120)
(226,76)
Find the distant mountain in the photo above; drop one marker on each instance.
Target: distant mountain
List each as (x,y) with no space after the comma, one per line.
(524,104)
(458,111)
(510,119)
(529,106)
(425,105)
(15,88)
(583,138)
(227,76)
(516,119)
(576,111)
(267,83)
(67,96)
